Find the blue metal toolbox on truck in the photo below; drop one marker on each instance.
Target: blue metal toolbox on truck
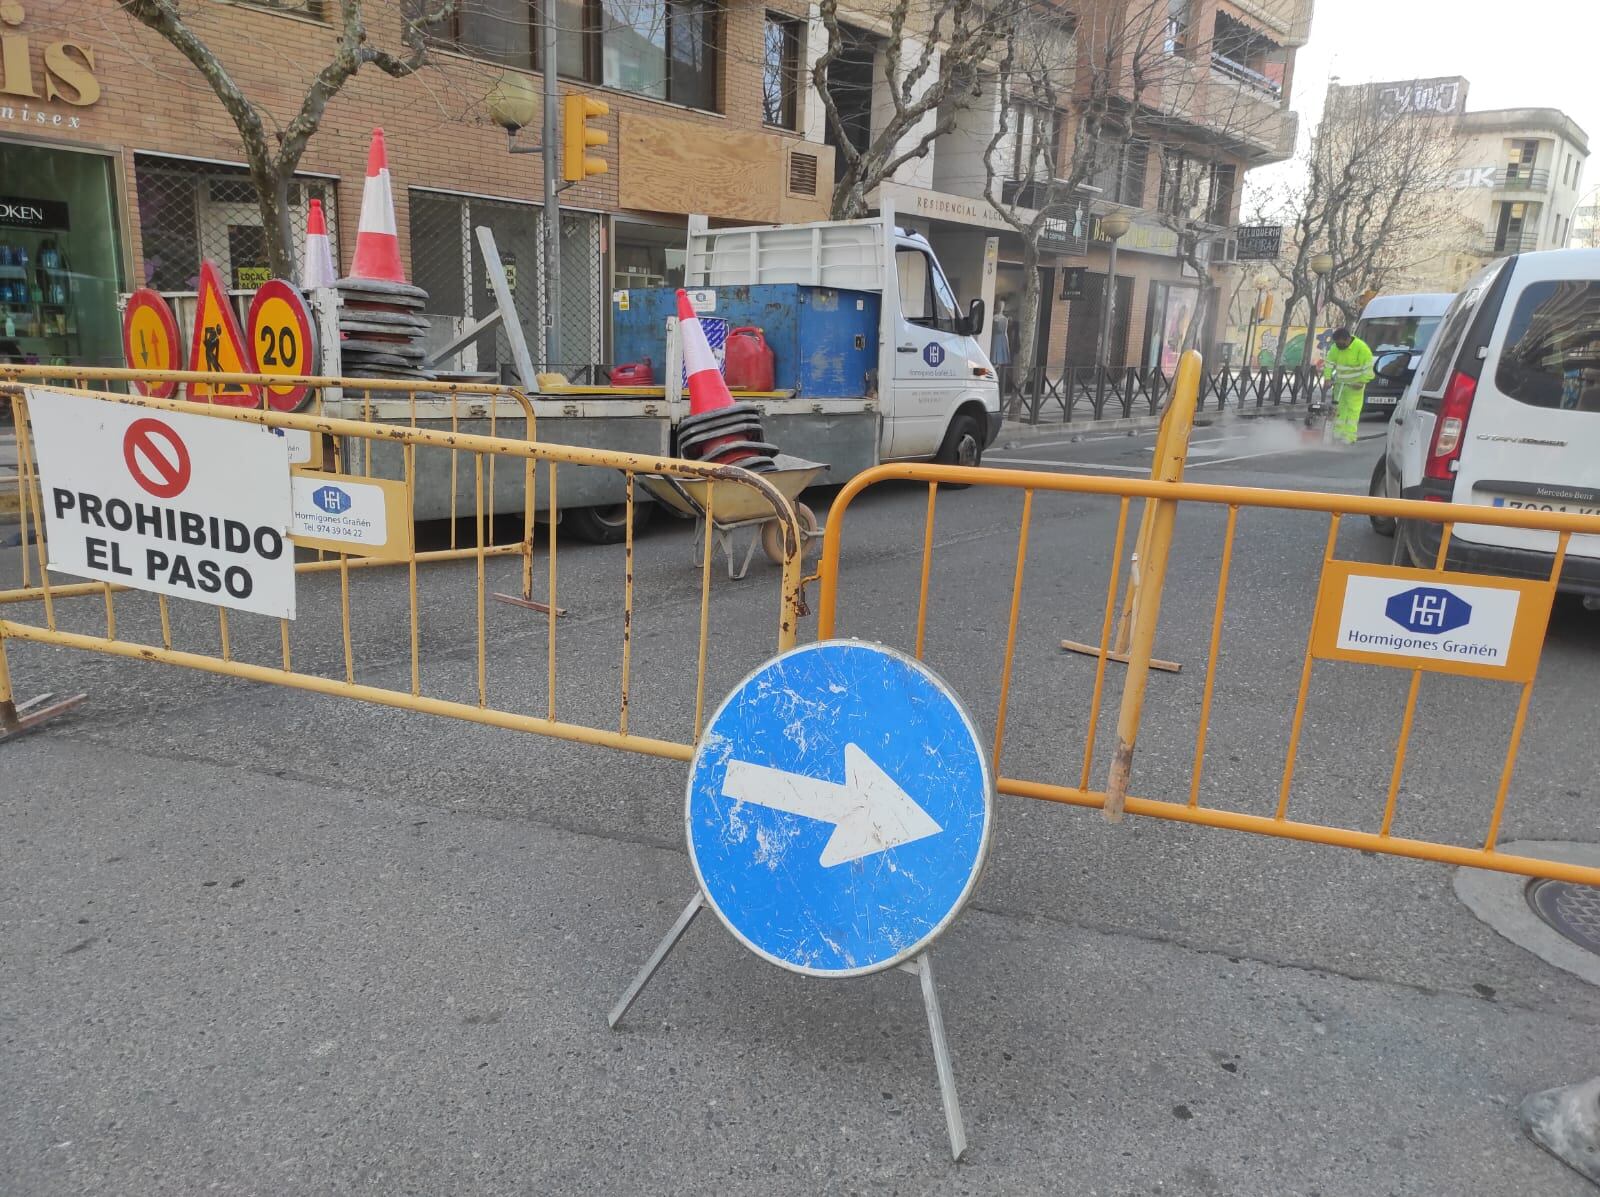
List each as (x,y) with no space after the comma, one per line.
(823,340)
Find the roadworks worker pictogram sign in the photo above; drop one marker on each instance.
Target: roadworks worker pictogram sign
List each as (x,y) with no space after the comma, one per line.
(187,506)
(218,347)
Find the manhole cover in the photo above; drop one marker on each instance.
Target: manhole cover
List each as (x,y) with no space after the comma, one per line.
(1572,910)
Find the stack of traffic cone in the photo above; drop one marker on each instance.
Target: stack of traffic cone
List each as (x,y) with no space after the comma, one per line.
(318,269)
(716,428)
(381,323)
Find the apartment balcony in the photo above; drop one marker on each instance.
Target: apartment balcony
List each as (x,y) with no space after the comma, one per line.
(1520,179)
(1246,112)
(1289,21)
(1493,246)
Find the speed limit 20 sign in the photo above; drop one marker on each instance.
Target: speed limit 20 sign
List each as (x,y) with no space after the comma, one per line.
(283,341)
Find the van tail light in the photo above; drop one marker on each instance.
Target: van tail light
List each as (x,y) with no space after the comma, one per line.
(1450,430)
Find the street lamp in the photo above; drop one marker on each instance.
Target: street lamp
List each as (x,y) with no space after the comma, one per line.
(1321,264)
(512,103)
(1114,227)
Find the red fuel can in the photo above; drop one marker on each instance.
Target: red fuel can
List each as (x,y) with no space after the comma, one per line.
(749,360)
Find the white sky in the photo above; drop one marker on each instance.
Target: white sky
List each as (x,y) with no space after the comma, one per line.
(1523,54)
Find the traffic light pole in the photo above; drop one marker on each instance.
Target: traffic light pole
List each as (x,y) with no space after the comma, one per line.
(552,201)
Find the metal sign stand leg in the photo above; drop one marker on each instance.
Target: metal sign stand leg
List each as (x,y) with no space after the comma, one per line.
(695,906)
(922,966)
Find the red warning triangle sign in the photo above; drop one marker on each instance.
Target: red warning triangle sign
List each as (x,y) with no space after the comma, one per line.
(219,347)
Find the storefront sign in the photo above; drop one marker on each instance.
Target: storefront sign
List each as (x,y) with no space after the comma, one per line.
(1065,236)
(19,213)
(1140,238)
(35,78)
(937,205)
(1259,243)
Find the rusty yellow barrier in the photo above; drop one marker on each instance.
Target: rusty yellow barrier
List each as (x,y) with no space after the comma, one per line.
(1166,499)
(1171,453)
(460,401)
(479,453)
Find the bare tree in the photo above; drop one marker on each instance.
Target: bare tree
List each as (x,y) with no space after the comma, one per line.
(929,52)
(1374,198)
(272,149)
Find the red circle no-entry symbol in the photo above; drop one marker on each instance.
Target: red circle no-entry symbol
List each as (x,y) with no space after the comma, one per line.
(156,457)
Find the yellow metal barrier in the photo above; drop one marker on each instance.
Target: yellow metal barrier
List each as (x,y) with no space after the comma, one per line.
(480,453)
(1171,453)
(453,401)
(1166,498)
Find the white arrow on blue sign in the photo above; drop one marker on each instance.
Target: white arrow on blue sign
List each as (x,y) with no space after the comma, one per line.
(839,809)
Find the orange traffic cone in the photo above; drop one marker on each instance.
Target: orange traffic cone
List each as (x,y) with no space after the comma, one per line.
(377,244)
(318,269)
(707,390)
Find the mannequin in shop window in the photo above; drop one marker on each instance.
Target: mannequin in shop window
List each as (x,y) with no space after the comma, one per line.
(1000,348)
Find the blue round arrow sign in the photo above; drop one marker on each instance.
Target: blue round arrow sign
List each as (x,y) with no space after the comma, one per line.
(839,808)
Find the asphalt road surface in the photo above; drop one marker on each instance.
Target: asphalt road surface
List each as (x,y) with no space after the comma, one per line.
(258,941)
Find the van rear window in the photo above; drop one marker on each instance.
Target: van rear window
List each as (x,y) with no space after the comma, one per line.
(1552,351)
(1397,332)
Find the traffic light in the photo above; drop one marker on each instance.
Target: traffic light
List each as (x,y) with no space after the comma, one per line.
(577,138)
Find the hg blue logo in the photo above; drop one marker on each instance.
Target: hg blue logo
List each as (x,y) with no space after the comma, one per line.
(933,353)
(331,499)
(1428,610)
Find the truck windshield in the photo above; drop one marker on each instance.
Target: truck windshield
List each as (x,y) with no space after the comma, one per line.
(925,297)
(1397,332)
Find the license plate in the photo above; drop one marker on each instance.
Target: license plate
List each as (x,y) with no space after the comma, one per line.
(1527,504)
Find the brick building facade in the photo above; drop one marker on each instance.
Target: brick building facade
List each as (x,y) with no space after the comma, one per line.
(142,170)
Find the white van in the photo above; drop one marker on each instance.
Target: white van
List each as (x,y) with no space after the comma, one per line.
(1506,412)
(1398,322)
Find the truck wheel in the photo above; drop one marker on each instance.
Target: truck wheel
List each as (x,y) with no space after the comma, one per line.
(606,525)
(1383,525)
(963,444)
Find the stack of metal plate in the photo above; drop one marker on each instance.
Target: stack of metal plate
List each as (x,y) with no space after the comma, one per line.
(382,329)
(729,436)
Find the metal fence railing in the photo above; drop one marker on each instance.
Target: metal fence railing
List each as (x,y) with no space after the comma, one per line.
(1045,396)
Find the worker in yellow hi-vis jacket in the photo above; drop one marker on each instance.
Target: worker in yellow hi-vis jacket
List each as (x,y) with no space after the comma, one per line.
(1349,368)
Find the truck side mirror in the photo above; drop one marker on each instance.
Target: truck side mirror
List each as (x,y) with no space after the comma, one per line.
(973,324)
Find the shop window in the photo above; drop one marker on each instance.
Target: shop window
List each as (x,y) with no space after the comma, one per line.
(194,210)
(60,258)
(447,262)
(780,72)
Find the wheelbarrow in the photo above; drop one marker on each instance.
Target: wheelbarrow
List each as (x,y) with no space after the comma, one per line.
(734,506)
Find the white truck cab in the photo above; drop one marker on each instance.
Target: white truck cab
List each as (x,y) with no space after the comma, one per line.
(938,394)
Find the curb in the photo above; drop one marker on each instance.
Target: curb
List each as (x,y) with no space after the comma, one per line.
(1566,1123)
(1018,433)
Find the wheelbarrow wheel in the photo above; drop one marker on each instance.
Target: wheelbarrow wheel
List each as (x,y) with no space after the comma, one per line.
(772,534)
